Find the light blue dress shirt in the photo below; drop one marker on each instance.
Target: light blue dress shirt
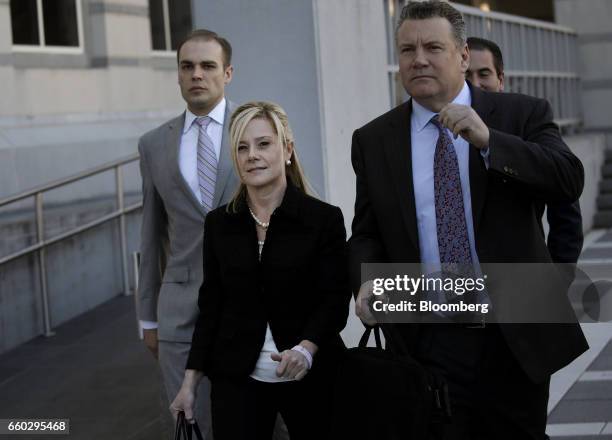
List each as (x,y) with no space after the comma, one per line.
(424,136)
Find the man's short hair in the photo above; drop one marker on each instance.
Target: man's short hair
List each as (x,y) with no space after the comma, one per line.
(206,35)
(432,9)
(475,43)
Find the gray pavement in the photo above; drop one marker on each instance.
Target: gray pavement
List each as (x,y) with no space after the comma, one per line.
(581,394)
(94,371)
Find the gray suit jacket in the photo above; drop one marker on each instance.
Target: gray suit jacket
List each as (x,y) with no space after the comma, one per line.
(173,229)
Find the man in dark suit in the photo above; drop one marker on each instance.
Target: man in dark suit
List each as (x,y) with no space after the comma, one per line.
(565,238)
(457,175)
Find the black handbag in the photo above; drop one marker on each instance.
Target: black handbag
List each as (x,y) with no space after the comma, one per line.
(185,430)
(383,395)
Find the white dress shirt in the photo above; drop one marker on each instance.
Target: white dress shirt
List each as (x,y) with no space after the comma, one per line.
(188,156)
(188,150)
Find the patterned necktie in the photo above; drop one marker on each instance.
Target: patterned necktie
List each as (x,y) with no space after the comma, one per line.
(207,164)
(453,240)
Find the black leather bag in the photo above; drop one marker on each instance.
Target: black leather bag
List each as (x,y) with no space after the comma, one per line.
(185,430)
(380,395)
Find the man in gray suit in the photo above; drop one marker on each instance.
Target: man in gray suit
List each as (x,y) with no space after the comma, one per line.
(186,171)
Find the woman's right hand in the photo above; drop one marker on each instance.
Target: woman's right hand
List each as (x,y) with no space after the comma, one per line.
(185,399)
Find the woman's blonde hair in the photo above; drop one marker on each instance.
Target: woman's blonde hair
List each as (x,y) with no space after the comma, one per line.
(277,117)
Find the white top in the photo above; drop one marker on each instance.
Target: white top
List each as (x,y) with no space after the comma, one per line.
(188,156)
(265,368)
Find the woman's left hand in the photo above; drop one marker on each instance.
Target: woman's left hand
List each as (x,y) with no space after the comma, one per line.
(293,364)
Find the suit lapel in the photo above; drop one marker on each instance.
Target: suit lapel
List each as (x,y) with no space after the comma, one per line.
(225,165)
(173,143)
(398,151)
(478,171)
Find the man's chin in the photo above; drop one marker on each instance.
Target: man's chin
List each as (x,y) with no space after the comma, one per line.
(421,92)
(200,103)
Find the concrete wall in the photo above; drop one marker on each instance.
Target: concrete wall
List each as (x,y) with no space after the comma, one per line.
(324,62)
(37,150)
(82,272)
(275,59)
(592,21)
(353,84)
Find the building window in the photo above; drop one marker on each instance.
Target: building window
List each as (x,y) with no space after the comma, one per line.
(46,23)
(170,23)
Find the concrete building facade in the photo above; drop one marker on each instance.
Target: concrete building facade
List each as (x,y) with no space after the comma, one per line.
(593,23)
(87,103)
(66,108)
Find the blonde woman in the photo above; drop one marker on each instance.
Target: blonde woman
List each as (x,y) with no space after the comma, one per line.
(276,293)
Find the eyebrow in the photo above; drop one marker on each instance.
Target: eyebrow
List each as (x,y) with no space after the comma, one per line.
(425,43)
(207,62)
(258,138)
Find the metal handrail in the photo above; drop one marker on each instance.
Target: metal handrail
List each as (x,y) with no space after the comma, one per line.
(41,243)
(70,179)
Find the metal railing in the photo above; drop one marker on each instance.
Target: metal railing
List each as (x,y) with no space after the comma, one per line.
(540,58)
(42,244)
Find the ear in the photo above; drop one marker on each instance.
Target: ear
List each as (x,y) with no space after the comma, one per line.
(501,82)
(229,73)
(465,58)
(288,150)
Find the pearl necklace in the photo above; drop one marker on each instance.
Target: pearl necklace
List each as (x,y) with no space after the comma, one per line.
(264,225)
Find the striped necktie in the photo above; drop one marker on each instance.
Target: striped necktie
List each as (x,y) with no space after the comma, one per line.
(207,164)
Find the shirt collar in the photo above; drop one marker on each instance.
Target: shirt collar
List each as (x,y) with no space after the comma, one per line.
(423,115)
(217,114)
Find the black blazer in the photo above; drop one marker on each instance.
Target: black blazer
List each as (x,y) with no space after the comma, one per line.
(300,286)
(565,237)
(529,165)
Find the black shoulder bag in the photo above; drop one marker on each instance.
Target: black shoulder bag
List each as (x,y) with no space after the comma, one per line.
(383,395)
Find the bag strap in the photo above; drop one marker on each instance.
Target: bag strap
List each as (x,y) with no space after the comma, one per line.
(395,340)
(184,430)
(194,428)
(363,342)
(180,425)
